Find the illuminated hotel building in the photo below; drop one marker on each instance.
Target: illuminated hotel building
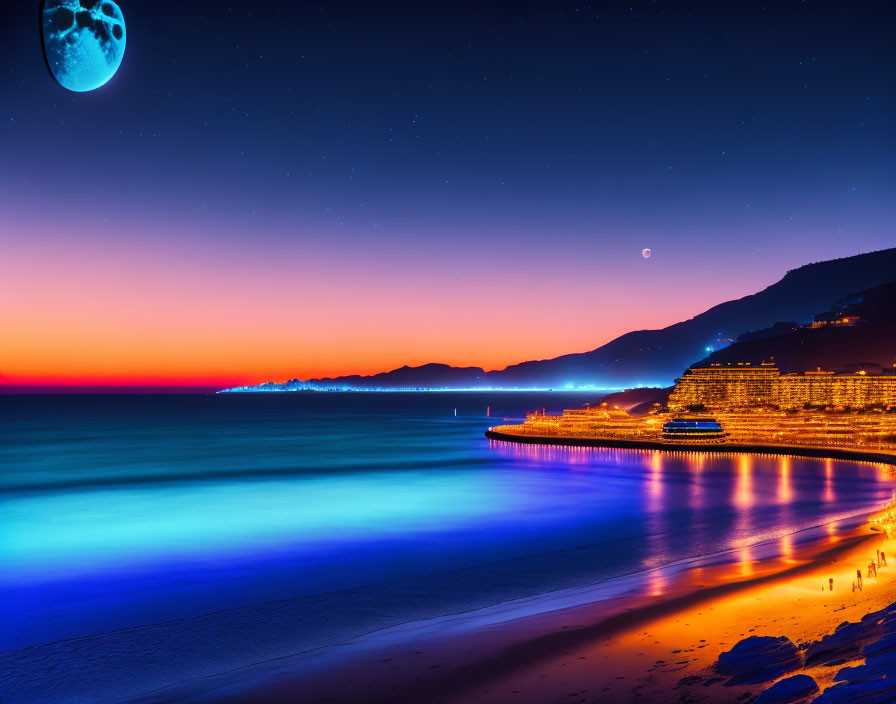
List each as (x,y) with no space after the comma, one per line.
(726,386)
(744,385)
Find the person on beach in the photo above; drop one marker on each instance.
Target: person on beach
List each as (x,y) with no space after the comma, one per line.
(859,579)
(831,584)
(883,558)
(853,586)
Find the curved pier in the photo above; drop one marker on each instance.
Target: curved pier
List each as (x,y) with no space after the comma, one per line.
(796,450)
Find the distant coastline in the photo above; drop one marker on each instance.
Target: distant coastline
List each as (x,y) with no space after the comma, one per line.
(837,307)
(484,389)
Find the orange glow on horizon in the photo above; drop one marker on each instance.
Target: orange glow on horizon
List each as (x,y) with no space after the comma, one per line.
(124,381)
(190,304)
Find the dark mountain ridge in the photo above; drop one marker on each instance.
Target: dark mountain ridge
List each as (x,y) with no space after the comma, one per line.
(432,375)
(426,376)
(651,357)
(657,357)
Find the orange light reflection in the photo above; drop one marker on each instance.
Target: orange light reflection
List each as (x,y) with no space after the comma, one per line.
(746,562)
(743,495)
(785,489)
(829,494)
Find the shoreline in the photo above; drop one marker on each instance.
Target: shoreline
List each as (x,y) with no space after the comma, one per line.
(364,669)
(809,451)
(669,656)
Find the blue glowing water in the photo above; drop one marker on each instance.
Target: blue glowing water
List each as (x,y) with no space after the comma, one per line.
(346,512)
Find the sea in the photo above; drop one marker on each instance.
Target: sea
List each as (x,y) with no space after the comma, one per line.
(149,539)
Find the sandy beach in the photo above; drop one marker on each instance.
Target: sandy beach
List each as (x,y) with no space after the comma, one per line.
(670,658)
(658,647)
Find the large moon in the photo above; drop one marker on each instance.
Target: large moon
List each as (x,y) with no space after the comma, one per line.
(83,41)
(645,253)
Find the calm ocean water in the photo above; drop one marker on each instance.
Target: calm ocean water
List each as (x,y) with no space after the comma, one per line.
(346,512)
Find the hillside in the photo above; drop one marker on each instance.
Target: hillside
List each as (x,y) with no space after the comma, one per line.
(869,344)
(656,357)
(638,401)
(426,376)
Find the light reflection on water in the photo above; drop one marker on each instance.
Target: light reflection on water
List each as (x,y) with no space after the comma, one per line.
(829,494)
(785,489)
(132,510)
(743,497)
(785,545)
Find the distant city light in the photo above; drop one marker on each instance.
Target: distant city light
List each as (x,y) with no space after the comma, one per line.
(286,388)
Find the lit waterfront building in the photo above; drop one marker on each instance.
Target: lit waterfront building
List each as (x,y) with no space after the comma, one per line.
(858,430)
(744,385)
(728,386)
(823,320)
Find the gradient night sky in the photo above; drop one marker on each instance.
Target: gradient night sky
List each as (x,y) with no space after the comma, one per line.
(285,189)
